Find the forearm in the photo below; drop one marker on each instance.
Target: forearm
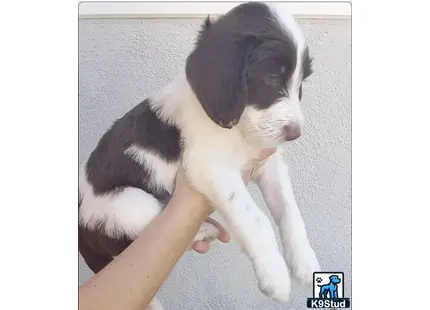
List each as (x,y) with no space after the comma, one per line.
(133,278)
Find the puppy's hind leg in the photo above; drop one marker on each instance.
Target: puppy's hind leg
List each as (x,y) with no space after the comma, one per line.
(123,214)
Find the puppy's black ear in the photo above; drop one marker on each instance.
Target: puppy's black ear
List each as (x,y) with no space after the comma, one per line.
(216,71)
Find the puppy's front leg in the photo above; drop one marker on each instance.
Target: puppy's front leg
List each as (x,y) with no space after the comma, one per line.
(226,190)
(275,185)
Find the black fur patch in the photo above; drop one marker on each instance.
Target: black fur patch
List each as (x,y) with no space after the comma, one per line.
(109,169)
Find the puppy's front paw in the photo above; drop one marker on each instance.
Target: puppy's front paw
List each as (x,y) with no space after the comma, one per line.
(303,263)
(273,277)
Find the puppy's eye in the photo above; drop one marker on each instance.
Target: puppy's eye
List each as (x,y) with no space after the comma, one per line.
(300,92)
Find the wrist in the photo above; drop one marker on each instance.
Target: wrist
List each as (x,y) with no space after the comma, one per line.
(189,197)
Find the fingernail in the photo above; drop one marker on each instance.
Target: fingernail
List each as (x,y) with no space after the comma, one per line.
(200,247)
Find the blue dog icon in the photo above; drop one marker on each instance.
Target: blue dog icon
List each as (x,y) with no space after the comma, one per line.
(330,287)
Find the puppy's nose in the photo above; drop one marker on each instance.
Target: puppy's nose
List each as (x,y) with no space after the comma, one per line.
(292,132)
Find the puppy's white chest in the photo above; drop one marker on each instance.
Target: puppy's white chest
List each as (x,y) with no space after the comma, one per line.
(224,149)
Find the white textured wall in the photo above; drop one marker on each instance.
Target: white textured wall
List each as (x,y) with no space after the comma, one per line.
(121,62)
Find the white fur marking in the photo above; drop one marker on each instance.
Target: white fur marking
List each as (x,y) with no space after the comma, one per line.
(280,10)
(162,172)
(267,125)
(124,213)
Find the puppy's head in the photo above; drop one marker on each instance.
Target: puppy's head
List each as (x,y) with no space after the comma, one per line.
(247,69)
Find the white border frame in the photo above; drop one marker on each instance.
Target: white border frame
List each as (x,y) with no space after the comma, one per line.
(198,9)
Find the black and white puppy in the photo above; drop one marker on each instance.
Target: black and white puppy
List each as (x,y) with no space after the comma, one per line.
(240,92)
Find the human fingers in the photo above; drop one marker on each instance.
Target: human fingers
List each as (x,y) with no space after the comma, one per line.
(223,235)
(201,247)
